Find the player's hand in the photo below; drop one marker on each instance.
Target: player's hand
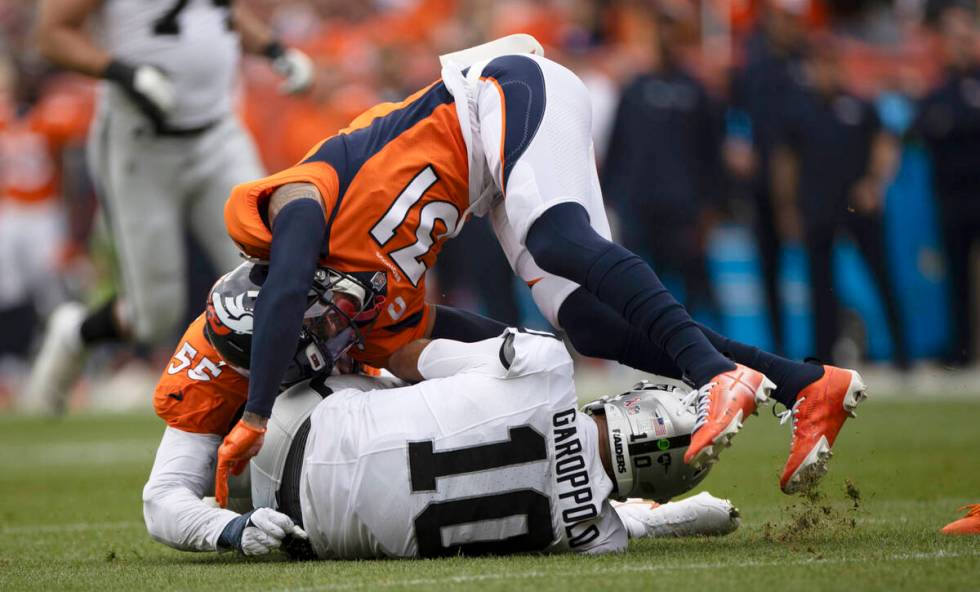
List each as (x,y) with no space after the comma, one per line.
(259,532)
(239,446)
(293,65)
(148,86)
(266,530)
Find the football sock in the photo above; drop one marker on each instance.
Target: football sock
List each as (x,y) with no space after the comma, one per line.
(790,377)
(278,317)
(563,242)
(462,325)
(595,330)
(100,325)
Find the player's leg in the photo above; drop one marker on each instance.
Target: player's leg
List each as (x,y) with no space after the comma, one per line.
(535,123)
(224,157)
(138,178)
(535,126)
(143,201)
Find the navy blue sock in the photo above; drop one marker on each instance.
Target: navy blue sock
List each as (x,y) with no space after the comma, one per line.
(100,325)
(790,377)
(563,242)
(597,331)
(463,325)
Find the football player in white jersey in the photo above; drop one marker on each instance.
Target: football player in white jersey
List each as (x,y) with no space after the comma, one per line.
(164,151)
(487,454)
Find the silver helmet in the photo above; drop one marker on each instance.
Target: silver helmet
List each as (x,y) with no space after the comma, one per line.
(649,429)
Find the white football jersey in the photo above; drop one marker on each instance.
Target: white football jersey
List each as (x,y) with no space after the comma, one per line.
(191,40)
(490,457)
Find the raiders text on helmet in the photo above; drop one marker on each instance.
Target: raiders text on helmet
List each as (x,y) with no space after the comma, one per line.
(649,428)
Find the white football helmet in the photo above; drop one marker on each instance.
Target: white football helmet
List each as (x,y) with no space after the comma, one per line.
(649,429)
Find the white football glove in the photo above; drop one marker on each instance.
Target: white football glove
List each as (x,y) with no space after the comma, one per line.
(148,86)
(297,68)
(701,515)
(156,87)
(265,531)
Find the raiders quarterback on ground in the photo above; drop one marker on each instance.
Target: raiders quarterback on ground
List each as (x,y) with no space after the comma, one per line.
(486,454)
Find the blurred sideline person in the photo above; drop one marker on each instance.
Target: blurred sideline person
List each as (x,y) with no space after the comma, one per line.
(763,89)
(949,123)
(164,150)
(839,161)
(387,192)
(663,170)
(41,122)
(499,461)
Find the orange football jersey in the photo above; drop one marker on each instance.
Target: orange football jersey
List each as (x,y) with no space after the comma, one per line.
(197,391)
(395,185)
(31,146)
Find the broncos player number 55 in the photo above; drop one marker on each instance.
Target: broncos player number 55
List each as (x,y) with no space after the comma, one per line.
(205,369)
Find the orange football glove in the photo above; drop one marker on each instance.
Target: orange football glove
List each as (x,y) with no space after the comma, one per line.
(239,446)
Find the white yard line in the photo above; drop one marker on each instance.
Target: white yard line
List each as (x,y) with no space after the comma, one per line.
(74,527)
(567,571)
(77,454)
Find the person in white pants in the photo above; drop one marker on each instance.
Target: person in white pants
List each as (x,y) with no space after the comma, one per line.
(164,151)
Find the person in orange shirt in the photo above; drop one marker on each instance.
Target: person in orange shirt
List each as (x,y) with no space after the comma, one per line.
(33,232)
(504,132)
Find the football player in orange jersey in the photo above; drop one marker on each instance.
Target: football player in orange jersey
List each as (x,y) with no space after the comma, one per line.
(505,134)
(202,390)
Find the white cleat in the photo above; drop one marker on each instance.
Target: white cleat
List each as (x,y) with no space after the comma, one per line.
(700,515)
(58,363)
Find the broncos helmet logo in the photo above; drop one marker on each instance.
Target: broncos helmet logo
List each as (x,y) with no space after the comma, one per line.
(232,313)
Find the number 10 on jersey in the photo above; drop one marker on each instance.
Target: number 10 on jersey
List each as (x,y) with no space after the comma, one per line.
(523,445)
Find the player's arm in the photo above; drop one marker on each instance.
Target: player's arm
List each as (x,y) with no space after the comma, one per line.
(177,516)
(296,218)
(514,353)
(257,38)
(463,325)
(173,510)
(62,38)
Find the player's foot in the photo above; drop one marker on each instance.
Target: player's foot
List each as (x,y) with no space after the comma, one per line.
(700,515)
(723,405)
(59,362)
(818,415)
(969,524)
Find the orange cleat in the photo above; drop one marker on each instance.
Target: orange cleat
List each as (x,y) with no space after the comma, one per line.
(722,405)
(818,415)
(969,524)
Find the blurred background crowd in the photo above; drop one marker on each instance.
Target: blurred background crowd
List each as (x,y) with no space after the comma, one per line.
(804,174)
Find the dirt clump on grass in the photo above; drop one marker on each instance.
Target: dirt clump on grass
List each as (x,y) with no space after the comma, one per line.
(813,515)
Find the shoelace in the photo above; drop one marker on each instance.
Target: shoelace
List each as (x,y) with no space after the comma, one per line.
(790,413)
(700,399)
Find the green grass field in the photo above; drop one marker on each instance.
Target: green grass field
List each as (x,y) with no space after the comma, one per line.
(71,518)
